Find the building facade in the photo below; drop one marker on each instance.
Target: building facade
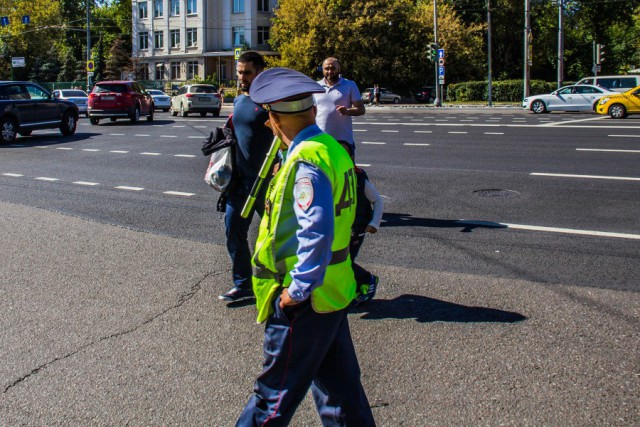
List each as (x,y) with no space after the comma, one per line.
(179,40)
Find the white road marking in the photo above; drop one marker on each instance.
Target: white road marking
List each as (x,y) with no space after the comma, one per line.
(201,127)
(457,132)
(363,165)
(179,126)
(624,136)
(608,150)
(184,155)
(373,143)
(14,175)
(124,187)
(359,130)
(551,229)
(196,137)
(151,154)
(168,136)
(574,121)
(178,193)
(422,131)
(93,150)
(116,134)
(494,133)
(44,178)
(566,175)
(119,151)
(141,134)
(64,148)
(416,144)
(389,131)
(85,183)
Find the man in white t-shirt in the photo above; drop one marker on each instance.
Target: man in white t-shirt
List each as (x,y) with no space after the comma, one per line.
(338,104)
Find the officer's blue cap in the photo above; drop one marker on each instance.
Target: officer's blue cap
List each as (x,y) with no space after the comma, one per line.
(283,90)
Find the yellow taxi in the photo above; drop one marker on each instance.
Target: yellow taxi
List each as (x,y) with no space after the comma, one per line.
(619,106)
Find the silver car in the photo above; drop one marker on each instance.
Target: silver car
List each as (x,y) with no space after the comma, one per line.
(568,98)
(161,100)
(385,96)
(77,96)
(196,98)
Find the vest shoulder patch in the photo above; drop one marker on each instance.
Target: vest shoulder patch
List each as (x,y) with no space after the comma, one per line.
(303,193)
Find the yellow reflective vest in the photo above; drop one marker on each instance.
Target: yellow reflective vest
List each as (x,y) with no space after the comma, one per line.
(275,254)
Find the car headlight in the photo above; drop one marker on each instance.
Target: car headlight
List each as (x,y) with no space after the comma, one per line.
(604,100)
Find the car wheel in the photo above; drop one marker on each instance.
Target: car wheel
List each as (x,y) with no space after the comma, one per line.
(203,114)
(165,109)
(216,113)
(617,111)
(135,118)
(69,123)
(94,120)
(150,116)
(182,112)
(8,128)
(396,100)
(430,100)
(172,111)
(25,132)
(86,115)
(538,107)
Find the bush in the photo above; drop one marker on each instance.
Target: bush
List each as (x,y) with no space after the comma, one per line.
(502,91)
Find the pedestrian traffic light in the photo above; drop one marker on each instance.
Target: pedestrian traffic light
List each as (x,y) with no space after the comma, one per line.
(600,53)
(433,51)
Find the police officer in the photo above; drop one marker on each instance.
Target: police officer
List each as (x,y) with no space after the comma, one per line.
(303,280)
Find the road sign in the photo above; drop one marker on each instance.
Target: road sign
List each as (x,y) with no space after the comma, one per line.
(440,70)
(440,80)
(91,66)
(440,53)
(26,19)
(238,52)
(17,62)
(441,61)
(4,21)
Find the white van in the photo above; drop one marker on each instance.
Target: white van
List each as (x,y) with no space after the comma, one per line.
(613,83)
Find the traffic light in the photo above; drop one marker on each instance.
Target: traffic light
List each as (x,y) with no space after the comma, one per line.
(433,51)
(600,53)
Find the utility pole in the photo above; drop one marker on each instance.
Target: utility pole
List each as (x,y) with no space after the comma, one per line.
(489,51)
(88,43)
(438,101)
(527,40)
(560,45)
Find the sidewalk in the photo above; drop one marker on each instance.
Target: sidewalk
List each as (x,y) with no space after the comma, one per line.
(108,326)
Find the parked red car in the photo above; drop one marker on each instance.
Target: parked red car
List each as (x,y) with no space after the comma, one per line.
(119,100)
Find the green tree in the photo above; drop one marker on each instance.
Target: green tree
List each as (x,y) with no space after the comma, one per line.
(119,59)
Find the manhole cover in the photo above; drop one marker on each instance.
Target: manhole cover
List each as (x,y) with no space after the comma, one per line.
(496,192)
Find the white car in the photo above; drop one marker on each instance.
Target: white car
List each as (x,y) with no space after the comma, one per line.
(568,98)
(161,100)
(77,96)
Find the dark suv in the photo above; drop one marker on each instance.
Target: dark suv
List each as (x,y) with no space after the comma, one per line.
(119,100)
(26,106)
(425,94)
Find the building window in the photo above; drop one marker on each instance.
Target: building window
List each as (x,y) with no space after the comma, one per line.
(238,36)
(159,71)
(223,71)
(175,70)
(158,39)
(144,72)
(263,5)
(143,40)
(263,35)
(158,8)
(174,36)
(238,6)
(192,37)
(175,7)
(143,13)
(192,69)
(192,7)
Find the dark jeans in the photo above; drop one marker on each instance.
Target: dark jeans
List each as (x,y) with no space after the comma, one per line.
(305,349)
(363,277)
(236,231)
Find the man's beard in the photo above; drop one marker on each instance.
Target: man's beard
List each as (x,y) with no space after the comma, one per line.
(333,78)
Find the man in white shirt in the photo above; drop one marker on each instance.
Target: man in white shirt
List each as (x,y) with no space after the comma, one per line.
(340,101)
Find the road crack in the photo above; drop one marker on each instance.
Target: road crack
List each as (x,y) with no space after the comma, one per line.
(182,299)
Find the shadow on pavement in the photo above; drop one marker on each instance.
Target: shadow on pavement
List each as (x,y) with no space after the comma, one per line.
(424,309)
(406,220)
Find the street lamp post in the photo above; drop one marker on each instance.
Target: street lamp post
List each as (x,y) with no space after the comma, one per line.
(88,43)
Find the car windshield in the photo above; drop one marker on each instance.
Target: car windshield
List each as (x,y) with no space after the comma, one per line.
(156,92)
(102,88)
(203,89)
(73,93)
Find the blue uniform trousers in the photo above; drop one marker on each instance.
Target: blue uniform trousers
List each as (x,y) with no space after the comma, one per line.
(236,231)
(305,349)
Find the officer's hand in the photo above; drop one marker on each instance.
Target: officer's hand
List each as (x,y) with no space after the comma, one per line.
(286,301)
(342,110)
(371,229)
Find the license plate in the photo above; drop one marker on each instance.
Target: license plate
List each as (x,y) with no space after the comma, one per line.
(107,98)
(81,102)
(204,99)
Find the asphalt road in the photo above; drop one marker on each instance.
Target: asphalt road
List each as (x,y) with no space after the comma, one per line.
(508,257)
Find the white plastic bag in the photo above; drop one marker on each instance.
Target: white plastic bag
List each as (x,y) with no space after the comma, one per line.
(220,171)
